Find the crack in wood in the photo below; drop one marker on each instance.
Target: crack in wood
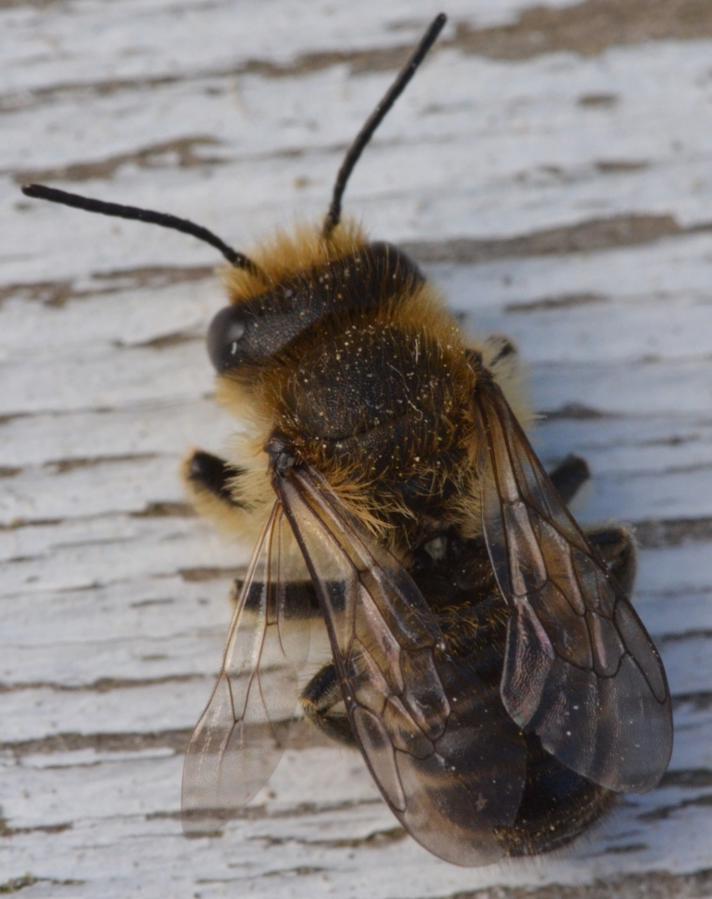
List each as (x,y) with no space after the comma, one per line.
(576,411)
(376,838)
(586,236)
(177,153)
(597,101)
(28,880)
(265,812)
(662,812)
(7,831)
(656,533)
(698,700)
(175,739)
(101,684)
(620,166)
(700,633)
(164,509)
(62,466)
(588,28)
(563,301)
(302,735)
(57,294)
(206,573)
(691,778)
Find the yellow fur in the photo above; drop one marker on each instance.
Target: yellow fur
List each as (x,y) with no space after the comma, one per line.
(285,255)
(254,493)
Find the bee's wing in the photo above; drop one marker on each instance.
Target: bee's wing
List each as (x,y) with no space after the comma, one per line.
(240,736)
(580,669)
(435,739)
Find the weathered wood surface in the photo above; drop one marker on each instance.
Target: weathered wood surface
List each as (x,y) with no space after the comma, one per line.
(552,170)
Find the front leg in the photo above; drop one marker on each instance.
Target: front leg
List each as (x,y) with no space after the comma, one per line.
(216,489)
(210,474)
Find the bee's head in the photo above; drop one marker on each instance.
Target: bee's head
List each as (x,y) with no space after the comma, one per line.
(305,278)
(299,279)
(273,296)
(279,296)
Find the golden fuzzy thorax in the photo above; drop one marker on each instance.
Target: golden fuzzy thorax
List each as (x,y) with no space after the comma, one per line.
(377,400)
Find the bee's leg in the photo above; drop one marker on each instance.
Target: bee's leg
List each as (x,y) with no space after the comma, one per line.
(319,697)
(617,547)
(569,476)
(205,472)
(211,483)
(497,348)
(613,542)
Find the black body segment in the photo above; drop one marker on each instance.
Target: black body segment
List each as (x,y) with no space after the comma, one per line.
(557,804)
(373,398)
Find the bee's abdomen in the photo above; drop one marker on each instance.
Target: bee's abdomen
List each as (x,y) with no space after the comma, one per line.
(557,805)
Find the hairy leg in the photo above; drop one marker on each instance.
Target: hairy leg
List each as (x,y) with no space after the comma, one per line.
(318,699)
(569,476)
(213,486)
(616,545)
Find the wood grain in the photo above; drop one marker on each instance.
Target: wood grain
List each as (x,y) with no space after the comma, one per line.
(551,169)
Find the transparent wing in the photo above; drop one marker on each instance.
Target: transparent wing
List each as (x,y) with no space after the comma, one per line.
(580,669)
(425,723)
(240,736)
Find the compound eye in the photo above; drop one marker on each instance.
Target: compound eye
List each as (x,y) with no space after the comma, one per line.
(224,339)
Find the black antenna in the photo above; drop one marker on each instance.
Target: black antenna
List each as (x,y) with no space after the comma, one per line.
(374,120)
(142,215)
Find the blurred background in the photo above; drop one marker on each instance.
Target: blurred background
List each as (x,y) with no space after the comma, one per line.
(551,169)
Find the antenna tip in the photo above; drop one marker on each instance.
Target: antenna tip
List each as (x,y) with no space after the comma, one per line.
(437,25)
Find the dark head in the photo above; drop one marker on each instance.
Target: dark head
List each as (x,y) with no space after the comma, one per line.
(274,299)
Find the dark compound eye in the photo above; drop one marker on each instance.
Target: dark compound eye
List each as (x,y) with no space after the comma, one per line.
(224,336)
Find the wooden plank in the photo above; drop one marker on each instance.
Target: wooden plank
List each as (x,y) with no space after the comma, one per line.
(550,167)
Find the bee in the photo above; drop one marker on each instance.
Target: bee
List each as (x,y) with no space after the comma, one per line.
(485,655)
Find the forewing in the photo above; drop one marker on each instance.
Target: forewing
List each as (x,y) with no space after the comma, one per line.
(449,768)
(240,736)
(580,669)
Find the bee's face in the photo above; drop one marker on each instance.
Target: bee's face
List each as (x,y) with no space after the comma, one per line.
(338,277)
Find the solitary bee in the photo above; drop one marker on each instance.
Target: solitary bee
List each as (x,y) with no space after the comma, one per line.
(486,659)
